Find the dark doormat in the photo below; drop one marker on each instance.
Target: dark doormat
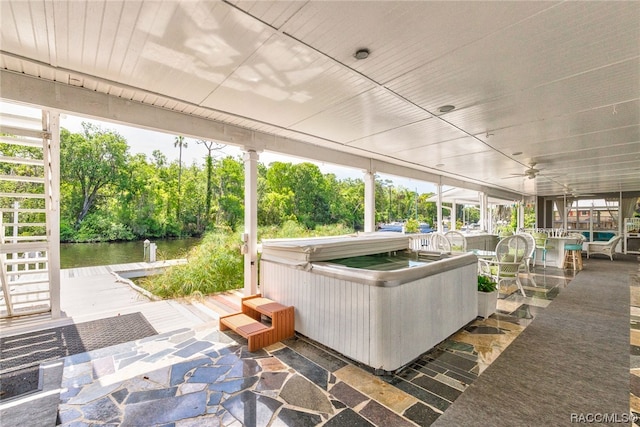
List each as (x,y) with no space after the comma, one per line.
(21,355)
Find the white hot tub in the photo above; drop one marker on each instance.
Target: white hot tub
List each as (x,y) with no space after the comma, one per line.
(381,316)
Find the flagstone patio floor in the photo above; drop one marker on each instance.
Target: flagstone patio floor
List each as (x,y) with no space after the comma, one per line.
(203,377)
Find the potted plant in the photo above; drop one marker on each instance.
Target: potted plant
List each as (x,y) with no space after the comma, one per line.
(487,296)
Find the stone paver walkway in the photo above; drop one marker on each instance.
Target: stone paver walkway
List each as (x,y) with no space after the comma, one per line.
(200,376)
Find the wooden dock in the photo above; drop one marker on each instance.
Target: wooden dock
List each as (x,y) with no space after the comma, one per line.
(91,293)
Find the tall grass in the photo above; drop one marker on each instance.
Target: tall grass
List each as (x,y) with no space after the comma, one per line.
(217,265)
(213,266)
(291,229)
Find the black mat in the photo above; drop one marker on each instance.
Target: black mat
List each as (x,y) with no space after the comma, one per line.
(22,351)
(21,355)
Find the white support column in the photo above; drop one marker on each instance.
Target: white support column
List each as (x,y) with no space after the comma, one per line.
(453,216)
(564,215)
(591,222)
(521,215)
(52,200)
(488,216)
(621,224)
(439,204)
(483,212)
(369,202)
(251,222)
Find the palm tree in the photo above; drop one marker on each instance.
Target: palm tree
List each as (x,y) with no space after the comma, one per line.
(180,142)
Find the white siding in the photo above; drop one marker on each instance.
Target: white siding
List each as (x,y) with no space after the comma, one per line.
(383,327)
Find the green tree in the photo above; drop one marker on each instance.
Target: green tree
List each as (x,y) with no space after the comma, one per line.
(192,220)
(91,162)
(145,196)
(210,146)
(311,195)
(349,204)
(179,142)
(228,178)
(311,192)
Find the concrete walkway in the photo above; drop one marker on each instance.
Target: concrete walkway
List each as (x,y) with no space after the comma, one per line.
(90,293)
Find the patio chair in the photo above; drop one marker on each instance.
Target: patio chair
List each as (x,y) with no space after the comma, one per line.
(606,248)
(530,257)
(541,247)
(458,240)
(439,242)
(511,253)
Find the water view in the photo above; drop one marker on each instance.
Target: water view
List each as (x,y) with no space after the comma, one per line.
(74,255)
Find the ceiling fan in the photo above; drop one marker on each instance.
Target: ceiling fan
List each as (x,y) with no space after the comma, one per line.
(530,173)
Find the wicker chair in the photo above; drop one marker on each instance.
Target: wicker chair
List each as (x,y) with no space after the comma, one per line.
(541,247)
(439,242)
(530,257)
(458,241)
(511,253)
(606,248)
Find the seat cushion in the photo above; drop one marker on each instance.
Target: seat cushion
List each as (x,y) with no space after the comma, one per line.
(494,272)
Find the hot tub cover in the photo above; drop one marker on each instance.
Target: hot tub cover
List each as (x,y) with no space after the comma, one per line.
(306,250)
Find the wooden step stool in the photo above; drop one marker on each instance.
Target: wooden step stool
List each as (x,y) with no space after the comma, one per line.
(248,323)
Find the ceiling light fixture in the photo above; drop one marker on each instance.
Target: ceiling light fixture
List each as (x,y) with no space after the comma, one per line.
(361,54)
(446,108)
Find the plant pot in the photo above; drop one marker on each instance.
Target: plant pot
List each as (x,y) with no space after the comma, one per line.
(487,303)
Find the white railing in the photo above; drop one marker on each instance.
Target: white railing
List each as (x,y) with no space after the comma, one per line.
(419,241)
(28,217)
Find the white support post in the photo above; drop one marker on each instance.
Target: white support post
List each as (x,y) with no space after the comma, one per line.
(52,202)
(251,222)
(564,215)
(369,202)
(439,204)
(454,219)
(487,214)
(483,212)
(16,210)
(591,222)
(621,225)
(521,215)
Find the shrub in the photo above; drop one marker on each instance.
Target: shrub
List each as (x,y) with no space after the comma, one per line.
(215,265)
(412,226)
(97,228)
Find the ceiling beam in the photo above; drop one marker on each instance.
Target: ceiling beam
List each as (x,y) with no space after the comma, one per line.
(80,101)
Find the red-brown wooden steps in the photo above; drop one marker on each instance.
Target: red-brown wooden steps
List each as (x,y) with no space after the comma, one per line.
(248,325)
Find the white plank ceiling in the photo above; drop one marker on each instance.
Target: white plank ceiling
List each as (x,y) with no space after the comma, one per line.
(551,83)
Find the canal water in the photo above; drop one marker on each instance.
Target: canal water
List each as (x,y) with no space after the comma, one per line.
(74,255)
